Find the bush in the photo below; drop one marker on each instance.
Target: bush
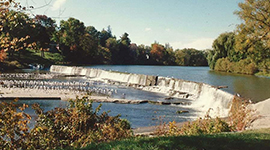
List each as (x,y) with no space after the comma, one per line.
(244,66)
(206,125)
(13,126)
(223,64)
(240,115)
(75,126)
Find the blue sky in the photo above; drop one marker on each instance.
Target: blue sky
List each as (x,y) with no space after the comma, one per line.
(182,23)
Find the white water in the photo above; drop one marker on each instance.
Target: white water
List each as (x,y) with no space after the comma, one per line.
(203,96)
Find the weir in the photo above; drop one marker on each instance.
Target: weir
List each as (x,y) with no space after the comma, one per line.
(203,96)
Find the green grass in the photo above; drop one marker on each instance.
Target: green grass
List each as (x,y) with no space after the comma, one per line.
(248,140)
(32,57)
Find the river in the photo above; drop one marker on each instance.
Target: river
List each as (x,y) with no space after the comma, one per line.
(252,87)
(248,86)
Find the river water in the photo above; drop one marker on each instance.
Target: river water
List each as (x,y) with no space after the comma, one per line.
(252,87)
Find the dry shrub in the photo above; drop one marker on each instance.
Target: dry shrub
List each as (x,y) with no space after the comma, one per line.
(240,115)
(161,129)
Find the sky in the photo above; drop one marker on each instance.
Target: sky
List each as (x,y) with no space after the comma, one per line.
(181,23)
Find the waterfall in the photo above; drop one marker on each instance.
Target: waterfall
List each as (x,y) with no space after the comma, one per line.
(204,96)
(215,99)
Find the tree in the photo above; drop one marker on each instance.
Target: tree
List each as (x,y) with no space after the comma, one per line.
(89,48)
(104,35)
(92,31)
(113,47)
(224,46)
(124,50)
(190,57)
(253,35)
(158,52)
(170,55)
(143,57)
(14,26)
(70,35)
(45,27)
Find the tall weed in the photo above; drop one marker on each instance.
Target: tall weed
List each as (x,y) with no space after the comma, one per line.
(241,115)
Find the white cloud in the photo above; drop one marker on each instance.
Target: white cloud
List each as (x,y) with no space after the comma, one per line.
(147,29)
(200,44)
(57,4)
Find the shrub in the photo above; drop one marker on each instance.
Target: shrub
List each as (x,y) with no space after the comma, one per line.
(13,126)
(75,126)
(244,66)
(240,114)
(206,125)
(223,64)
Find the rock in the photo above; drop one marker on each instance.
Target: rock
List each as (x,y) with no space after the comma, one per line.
(182,111)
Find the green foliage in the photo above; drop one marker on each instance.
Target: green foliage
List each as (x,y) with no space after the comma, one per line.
(223,46)
(244,66)
(75,126)
(255,28)
(190,57)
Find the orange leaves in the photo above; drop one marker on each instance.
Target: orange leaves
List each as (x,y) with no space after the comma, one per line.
(158,50)
(3,55)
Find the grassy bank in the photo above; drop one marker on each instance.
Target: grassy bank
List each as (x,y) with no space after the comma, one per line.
(248,140)
(22,60)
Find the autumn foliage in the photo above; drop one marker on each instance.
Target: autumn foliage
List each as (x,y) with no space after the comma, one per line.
(75,126)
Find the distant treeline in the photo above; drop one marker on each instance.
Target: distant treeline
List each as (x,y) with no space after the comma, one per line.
(79,44)
(88,45)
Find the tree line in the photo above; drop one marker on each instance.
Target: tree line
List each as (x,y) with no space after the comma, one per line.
(80,44)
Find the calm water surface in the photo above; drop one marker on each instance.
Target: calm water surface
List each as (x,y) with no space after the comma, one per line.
(139,115)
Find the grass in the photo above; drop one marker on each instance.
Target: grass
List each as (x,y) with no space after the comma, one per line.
(247,140)
(32,57)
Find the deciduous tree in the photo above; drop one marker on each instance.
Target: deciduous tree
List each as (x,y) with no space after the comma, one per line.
(253,35)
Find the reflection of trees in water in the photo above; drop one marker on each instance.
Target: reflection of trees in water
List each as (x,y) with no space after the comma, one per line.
(251,87)
(248,86)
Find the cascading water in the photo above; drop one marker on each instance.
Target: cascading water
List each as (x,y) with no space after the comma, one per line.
(203,96)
